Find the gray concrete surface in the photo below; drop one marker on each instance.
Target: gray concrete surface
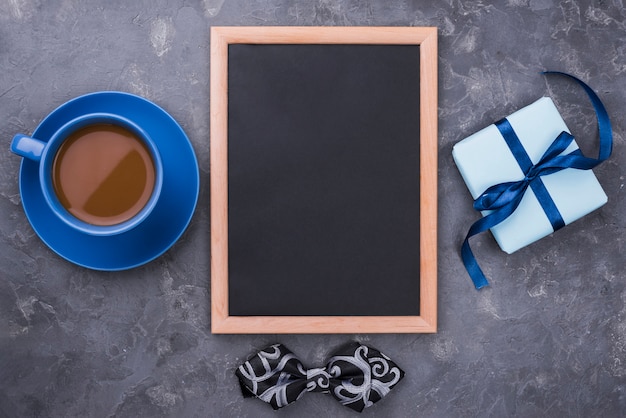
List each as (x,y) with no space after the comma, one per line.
(548,338)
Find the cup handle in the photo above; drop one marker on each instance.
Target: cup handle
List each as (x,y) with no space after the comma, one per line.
(27,147)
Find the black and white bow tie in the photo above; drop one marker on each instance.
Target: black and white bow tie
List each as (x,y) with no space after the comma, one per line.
(357,376)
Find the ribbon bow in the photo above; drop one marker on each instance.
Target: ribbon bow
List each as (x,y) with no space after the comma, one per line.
(502,199)
(357,376)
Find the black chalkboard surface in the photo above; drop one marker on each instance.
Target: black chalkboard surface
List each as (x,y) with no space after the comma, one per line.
(323,198)
(323,183)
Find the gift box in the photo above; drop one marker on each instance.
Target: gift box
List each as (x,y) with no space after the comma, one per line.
(485,159)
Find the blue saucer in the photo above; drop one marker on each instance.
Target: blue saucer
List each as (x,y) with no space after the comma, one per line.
(168,220)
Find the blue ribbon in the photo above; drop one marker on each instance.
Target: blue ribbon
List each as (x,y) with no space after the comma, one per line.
(502,199)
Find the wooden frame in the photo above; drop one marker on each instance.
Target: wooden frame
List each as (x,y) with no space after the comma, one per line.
(221,321)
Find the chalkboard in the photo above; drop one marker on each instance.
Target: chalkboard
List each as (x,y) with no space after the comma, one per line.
(323,180)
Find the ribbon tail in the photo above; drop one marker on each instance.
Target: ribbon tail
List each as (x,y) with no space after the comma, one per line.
(494,218)
(471,265)
(604,123)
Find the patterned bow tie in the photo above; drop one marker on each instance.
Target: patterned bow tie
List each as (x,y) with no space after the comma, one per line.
(357,376)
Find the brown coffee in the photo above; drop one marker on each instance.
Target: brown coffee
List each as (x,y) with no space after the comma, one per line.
(103,174)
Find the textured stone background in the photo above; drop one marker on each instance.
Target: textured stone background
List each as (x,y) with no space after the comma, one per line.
(547,338)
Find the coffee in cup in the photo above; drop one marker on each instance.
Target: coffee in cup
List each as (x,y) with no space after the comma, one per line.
(103,174)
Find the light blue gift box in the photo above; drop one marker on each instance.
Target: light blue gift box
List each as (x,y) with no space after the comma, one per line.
(484,159)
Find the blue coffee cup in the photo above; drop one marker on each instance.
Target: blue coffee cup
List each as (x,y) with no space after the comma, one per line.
(46,153)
